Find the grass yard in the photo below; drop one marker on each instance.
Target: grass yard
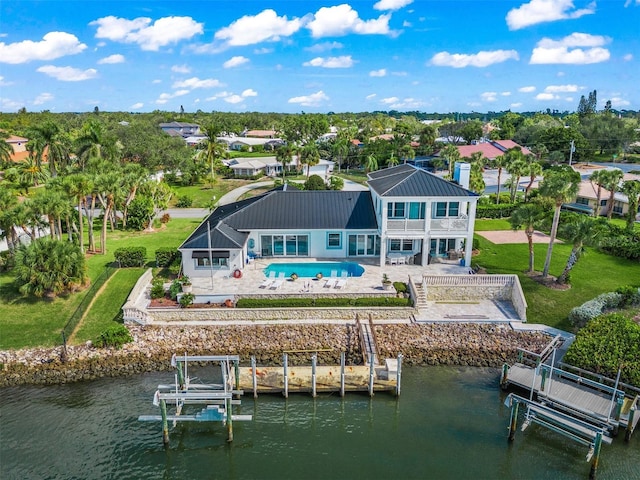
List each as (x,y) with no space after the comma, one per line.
(203,193)
(33,322)
(106,309)
(594,273)
(489,224)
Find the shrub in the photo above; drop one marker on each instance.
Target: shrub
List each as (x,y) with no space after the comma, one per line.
(7,260)
(630,296)
(502,210)
(580,316)
(165,256)
(165,218)
(400,287)
(315,182)
(157,288)
(184,201)
(175,289)
(130,256)
(625,246)
(336,183)
(115,336)
(186,299)
(606,343)
(140,212)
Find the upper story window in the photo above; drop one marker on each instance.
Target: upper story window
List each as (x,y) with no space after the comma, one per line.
(395,210)
(416,210)
(446,209)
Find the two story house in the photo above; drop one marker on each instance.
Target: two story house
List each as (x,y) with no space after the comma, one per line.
(407,214)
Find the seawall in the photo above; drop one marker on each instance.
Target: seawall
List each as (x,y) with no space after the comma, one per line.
(421,344)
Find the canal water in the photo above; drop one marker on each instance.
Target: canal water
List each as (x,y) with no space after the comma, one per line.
(449,423)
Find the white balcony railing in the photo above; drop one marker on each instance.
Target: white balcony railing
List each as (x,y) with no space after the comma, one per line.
(449,224)
(405,225)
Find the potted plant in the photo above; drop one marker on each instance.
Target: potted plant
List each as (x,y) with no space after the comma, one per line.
(186,284)
(319,275)
(386,283)
(294,276)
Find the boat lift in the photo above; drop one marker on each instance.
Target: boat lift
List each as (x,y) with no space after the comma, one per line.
(217,399)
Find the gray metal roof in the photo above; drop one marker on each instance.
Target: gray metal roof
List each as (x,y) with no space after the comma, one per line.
(288,209)
(411,181)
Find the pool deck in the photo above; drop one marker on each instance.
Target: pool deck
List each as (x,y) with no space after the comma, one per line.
(370,281)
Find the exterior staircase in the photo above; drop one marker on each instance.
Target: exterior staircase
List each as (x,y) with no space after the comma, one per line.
(420,300)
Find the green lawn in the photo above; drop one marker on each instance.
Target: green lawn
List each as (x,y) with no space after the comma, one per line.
(594,273)
(203,193)
(483,225)
(32,322)
(107,306)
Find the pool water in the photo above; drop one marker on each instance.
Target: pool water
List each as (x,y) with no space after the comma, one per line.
(311,269)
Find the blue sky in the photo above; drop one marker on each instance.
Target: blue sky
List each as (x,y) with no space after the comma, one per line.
(318,56)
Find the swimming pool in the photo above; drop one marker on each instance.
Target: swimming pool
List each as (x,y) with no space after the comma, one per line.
(311,269)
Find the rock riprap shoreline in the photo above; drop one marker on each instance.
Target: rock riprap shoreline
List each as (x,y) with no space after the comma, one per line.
(430,344)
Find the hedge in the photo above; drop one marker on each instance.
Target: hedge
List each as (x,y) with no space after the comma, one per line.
(502,210)
(323,302)
(625,296)
(131,256)
(625,246)
(606,343)
(165,256)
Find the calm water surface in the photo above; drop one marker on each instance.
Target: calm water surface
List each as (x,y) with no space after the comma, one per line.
(449,423)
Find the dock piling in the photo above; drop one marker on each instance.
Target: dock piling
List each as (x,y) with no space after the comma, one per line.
(399,375)
(229,419)
(504,383)
(285,360)
(254,376)
(342,362)
(165,424)
(513,424)
(596,456)
(314,359)
(372,371)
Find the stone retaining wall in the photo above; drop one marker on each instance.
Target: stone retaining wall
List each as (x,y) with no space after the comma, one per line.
(430,344)
(453,293)
(262,314)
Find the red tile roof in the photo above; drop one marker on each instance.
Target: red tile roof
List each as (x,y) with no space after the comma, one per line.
(507,144)
(489,151)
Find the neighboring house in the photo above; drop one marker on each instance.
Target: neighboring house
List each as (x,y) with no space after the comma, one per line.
(587,198)
(324,168)
(240,143)
(490,150)
(260,133)
(19,146)
(180,129)
(406,211)
(269,166)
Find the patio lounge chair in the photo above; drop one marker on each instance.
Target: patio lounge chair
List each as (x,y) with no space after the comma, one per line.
(343,280)
(269,281)
(278,283)
(331,281)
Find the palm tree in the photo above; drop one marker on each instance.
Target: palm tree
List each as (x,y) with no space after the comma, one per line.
(78,186)
(476,179)
(611,181)
(5,148)
(499,162)
(341,150)
(211,150)
(134,175)
(577,231)
(517,168)
(52,205)
(309,156)
(527,216)
(108,185)
(8,202)
(631,188)
(534,170)
(560,185)
(48,139)
(370,163)
(392,161)
(451,154)
(284,155)
(599,178)
(93,143)
(407,153)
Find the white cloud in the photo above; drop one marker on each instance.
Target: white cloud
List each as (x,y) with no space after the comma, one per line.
(371,96)
(68,74)
(618,102)
(564,51)
(342,20)
(165,97)
(391,4)
(480,59)
(53,45)
(235,61)
(629,2)
(148,36)
(561,88)
(3,83)
(263,51)
(378,73)
(527,89)
(505,94)
(628,57)
(195,82)
(156,81)
(136,106)
(560,74)
(399,74)
(344,61)
(266,26)
(406,24)
(249,92)
(233,99)
(489,96)
(406,103)
(313,100)
(389,100)
(111,59)
(7,105)
(541,11)
(547,96)
(43,98)
(181,69)
(323,47)
(516,105)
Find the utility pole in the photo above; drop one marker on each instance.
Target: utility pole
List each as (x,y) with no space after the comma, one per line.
(571,150)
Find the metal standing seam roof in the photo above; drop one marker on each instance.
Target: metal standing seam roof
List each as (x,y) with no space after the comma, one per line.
(410,181)
(285,210)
